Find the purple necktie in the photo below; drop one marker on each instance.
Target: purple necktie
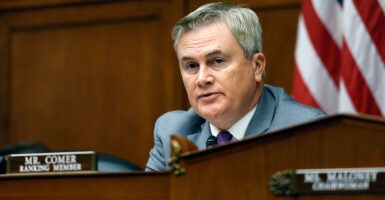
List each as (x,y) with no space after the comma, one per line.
(224,136)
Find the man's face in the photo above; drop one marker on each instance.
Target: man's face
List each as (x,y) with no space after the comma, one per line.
(221,83)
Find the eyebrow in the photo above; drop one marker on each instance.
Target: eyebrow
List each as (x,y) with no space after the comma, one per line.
(215,52)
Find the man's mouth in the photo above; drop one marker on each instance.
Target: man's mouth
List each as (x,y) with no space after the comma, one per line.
(208,96)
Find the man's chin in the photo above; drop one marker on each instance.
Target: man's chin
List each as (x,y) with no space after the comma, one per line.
(209,115)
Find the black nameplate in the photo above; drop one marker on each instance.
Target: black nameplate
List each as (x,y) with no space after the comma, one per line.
(51,162)
(341,180)
(338,180)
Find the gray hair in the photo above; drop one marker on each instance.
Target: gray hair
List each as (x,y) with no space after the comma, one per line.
(243,23)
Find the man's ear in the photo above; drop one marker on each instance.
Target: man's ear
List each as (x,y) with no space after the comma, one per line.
(259,63)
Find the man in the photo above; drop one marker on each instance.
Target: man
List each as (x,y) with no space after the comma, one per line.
(219,50)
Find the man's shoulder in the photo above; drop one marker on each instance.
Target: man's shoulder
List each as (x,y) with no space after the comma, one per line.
(178,116)
(179,121)
(285,101)
(288,110)
(275,91)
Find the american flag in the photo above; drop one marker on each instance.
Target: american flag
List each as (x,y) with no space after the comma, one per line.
(340,56)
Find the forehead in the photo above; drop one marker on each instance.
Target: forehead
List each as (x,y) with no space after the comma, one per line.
(205,39)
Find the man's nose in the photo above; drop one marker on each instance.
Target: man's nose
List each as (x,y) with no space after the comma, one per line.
(204,76)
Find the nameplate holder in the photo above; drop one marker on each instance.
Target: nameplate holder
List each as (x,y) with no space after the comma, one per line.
(76,161)
(328,181)
(342,180)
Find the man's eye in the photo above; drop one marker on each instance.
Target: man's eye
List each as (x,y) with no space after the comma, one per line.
(218,61)
(191,68)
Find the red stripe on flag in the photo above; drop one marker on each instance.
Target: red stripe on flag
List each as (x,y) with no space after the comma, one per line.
(374,20)
(301,92)
(356,86)
(319,35)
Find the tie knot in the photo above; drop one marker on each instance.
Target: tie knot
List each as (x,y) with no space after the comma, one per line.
(224,136)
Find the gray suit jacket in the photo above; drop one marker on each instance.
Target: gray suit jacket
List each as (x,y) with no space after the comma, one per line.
(275,110)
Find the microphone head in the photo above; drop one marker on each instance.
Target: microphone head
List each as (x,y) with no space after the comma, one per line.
(211,140)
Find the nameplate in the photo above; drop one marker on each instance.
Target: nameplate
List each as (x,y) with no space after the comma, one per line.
(51,162)
(335,180)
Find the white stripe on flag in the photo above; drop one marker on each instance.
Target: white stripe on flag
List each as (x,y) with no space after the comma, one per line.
(365,53)
(345,103)
(330,14)
(313,72)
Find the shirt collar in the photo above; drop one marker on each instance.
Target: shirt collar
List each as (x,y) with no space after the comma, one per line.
(239,128)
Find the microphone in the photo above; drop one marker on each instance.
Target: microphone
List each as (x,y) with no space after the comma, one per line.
(211,140)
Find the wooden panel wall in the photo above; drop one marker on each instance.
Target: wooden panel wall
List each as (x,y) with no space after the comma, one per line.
(88,76)
(95,74)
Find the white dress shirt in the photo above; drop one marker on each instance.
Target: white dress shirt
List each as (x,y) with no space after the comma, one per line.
(239,128)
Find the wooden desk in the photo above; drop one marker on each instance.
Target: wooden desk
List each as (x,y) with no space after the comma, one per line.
(238,170)
(242,169)
(138,186)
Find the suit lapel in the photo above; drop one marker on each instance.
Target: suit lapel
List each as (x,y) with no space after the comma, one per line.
(200,137)
(263,115)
